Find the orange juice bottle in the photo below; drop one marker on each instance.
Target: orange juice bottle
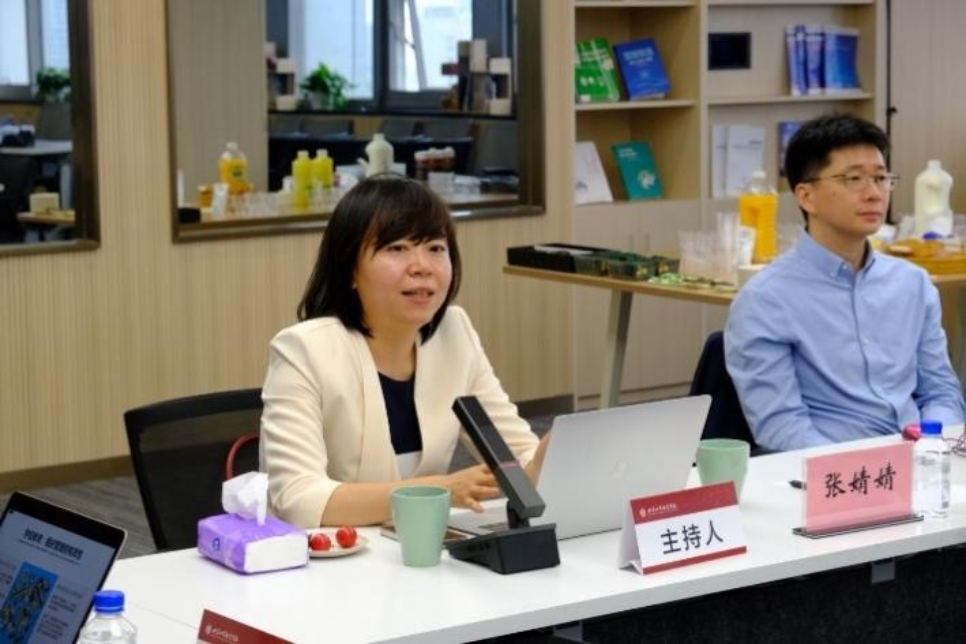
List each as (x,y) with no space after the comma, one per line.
(758,209)
(233,169)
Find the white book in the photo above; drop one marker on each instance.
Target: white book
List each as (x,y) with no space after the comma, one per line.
(719,160)
(590,182)
(745,153)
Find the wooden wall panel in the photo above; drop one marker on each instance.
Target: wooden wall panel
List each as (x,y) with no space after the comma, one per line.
(87,336)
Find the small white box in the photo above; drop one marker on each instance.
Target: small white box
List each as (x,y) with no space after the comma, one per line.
(44,202)
(478,55)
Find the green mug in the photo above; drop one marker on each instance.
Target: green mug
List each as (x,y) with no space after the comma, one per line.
(723,459)
(420,514)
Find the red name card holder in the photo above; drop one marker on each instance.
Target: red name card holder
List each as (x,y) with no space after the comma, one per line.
(219,629)
(677,529)
(858,490)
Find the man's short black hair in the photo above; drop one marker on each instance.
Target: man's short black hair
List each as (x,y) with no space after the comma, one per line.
(810,147)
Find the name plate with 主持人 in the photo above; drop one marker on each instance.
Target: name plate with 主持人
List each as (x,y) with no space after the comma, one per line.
(681,528)
(858,489)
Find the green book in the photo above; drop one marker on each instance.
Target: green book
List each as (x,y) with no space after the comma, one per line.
(638,170)
(595,75)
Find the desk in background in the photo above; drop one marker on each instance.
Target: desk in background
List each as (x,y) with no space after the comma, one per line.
(620,312)
(372,597)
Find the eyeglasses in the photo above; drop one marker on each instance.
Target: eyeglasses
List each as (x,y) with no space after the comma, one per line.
(857,182)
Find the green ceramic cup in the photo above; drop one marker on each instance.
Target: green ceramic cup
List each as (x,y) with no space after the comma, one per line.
(420,514)
(723,459)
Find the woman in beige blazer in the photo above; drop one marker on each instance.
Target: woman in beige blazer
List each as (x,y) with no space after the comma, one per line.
(376,326)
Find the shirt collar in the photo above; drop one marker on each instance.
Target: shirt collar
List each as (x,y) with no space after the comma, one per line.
(825,261)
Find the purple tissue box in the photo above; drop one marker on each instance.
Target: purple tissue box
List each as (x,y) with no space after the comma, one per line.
(245,546)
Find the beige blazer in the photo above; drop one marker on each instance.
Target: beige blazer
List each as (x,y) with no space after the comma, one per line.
(325,421)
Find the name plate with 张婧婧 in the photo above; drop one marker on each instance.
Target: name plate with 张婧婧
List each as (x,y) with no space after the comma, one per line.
(857,490)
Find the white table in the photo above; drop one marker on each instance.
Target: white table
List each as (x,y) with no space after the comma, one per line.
(372,597)
(40,148)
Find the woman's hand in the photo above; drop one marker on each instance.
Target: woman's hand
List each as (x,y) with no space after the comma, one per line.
(470,486)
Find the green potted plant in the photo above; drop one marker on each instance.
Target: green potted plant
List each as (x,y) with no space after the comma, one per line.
(53,85)
(325,88)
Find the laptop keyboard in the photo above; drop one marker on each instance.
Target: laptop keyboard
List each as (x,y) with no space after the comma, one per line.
(496,527)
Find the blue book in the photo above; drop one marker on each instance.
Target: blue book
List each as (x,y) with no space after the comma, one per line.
(795,53)
(638,170)
(814,60)
(841,47)
(786,129)
(642,69)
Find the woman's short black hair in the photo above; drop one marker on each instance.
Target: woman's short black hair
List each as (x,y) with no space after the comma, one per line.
(379,210)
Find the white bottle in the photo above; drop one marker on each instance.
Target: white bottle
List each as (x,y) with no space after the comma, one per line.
(932,199)
(108,625)
(380,154)
(931,455)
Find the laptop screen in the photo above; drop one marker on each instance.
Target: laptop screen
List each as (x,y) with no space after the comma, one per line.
(52,561)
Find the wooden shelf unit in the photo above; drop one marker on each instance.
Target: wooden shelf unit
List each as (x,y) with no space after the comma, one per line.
(678,129)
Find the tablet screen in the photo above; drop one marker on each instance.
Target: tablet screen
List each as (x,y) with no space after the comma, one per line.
(52,561)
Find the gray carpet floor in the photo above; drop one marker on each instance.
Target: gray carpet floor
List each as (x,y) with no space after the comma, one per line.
(117,500)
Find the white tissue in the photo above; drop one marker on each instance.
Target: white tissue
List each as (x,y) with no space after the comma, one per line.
(246,496)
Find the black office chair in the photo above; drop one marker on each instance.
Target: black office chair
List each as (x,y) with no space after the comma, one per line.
(17,179)
(725,418)
(183,449)
(397,127)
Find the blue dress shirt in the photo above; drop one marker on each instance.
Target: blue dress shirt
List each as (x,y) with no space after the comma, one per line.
(820,353)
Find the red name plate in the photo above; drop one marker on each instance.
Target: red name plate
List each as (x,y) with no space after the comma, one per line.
(681,528)
(858,488)
(218,629)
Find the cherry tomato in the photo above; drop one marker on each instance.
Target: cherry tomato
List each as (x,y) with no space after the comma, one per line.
(320,542)
(346,536)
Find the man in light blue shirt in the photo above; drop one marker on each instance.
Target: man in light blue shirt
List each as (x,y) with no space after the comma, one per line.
(833,341)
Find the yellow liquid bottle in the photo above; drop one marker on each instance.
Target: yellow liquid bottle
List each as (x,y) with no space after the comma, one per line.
(322,169)
(758,209)
(233,169)
(301,180)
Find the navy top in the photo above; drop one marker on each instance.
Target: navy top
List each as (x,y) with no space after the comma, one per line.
(401,410)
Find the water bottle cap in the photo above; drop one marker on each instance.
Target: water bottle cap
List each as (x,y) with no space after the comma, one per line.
(109,601)
(931,427)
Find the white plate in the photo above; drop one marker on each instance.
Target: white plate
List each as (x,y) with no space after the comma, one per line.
(336,550)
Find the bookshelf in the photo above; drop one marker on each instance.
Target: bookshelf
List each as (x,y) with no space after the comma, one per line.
(664,343)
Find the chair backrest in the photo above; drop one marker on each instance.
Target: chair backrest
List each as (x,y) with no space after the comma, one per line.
(725,418)
(16,177)
(180,449)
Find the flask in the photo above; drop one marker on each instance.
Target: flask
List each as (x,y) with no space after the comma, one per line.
(932,456)
(108,625)
(380,154)
(932,197)
(322,169)
(233,169)
(301,180)
(758,209)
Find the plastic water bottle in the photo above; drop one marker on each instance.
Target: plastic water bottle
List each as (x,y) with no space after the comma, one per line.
(932,456)
(108,624)
(380,153)
(932,189)
(758,209)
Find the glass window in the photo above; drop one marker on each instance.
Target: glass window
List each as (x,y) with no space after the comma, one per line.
(53,20)
(18,64)
(347,43)
(14,66)
(423,35)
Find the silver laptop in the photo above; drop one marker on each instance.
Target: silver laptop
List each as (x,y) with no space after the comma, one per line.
(598,460)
